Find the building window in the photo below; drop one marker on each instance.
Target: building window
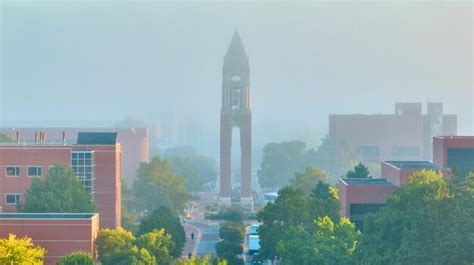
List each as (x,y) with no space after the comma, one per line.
(12,171)
(35,171)
(405,151)
(12,198)
(368,151)
(461,159)
(82,165)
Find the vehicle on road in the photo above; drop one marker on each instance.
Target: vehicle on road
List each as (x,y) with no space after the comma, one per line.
(254,244)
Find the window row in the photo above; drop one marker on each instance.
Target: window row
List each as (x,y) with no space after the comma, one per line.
(15,171)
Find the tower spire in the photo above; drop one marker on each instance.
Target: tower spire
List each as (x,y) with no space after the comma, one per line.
(236,48)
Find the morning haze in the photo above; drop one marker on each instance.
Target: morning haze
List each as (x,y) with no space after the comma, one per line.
(95,63)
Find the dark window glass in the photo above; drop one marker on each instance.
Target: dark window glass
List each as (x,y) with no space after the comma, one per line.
(12,171)
(462,159)
(81,155)
(74,155)
(88,155)
(88,162)
(34,171)
(12,198)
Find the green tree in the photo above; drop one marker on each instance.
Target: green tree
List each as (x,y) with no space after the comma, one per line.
(206,260)
(325,201)
(164,218)
(331,244)
(280,162)
(232,235)
(423,222)
(59,193)
(77,258)
(20,251)
(307,180)
(120,247)
(291,208)
(360,171)
(159,244)
(156,185)
(233,213)
(130,213)
(5,138)
(197,170)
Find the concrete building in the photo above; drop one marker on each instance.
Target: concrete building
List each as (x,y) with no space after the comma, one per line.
(236,112)
(405,135)
(59,234)
(454,152)
(95,159)
(360,196)
(134,143)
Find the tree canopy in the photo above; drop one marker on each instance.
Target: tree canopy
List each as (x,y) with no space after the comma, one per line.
(307,180)
(5,138)
(423,222)
(156,185)
(120,246)
(280,162)
(76,258)
(60,192)
(359,171)
(164,218)
(206,260)
(330,244)
(232,235)
(15,250)
(196,169)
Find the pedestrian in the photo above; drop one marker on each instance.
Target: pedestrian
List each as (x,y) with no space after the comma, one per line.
(192,236)
(190,255)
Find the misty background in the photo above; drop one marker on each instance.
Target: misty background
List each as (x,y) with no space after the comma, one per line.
(94,63)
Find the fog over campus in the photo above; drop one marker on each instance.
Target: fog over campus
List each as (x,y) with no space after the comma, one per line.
(91,64)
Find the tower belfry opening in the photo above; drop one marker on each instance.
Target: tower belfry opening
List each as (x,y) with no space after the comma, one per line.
(235,112)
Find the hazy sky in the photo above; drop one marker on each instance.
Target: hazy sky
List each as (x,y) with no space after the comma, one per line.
(104,60)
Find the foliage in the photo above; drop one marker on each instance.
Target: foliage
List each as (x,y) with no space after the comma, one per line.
(325,201)
(59,193)
(280,161)
(77,258)
(5,138)
(164,218)
(156,185)
(360,171)
(330,244)
(197,170)
(121,247)
(308,179)
(232,231)
(233,213)
(294,208)
(20,251)
(424,222)
(232,235)
(130,214)
(158,244)
(206,260)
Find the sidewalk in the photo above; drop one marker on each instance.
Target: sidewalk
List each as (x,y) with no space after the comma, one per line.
(191,245)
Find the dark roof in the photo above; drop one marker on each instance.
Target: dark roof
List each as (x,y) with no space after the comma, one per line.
(97,138)
(414,165)
(46,215)
(366,181)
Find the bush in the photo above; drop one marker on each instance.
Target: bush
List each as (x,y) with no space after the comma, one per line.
(77,258)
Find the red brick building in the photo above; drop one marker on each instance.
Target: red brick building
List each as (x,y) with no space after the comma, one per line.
(95,159)
(59,234)
(359,196)
(405,135)
(133,141)
(399,172)
(455,152)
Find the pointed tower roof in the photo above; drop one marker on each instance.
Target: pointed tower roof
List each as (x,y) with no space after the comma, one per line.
(236,48)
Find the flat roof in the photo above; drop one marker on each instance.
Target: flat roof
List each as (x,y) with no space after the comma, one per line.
(455,137)
(416,165)
(366,181)
(47,215)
